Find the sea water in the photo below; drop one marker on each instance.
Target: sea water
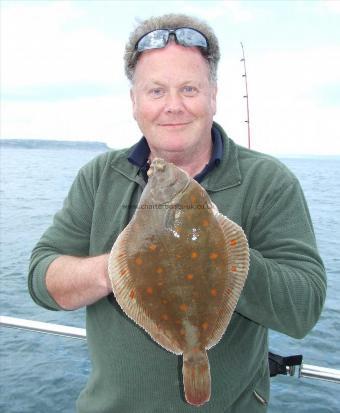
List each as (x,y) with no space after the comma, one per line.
(40,373)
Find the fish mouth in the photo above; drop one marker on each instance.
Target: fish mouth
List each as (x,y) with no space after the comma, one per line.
(177,180)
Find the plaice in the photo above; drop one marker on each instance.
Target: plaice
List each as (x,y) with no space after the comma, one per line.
(178,269)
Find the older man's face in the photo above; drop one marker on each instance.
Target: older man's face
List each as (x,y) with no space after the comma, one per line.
(173,99)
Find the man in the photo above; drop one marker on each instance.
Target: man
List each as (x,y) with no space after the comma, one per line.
(172,62)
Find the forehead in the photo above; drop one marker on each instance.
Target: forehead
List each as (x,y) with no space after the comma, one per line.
(172,61)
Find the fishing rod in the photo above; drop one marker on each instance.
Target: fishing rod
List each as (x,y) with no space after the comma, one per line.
(246,96)
(278,364)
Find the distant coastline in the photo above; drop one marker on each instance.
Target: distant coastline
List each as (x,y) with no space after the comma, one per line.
(52,144)
(102,146)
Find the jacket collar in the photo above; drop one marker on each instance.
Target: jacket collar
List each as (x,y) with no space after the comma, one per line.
(225,175)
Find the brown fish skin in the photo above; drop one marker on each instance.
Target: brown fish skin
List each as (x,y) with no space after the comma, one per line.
(179,251)
(196,377)
(179,275)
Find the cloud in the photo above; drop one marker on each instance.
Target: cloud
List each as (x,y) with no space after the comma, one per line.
(106,119)
(56,48)
(209,11)
(328,6)
(45,44)
(299,71)
(286,112)
(286,115)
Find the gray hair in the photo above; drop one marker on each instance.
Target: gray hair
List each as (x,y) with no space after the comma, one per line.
(172,21)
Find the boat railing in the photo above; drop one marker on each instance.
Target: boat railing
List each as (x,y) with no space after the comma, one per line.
(40,327)
(303,371)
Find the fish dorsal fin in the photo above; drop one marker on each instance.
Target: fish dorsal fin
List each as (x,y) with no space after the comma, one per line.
(123,287)
(237,270)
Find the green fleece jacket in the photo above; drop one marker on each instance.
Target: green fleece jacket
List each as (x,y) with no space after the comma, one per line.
(285,289)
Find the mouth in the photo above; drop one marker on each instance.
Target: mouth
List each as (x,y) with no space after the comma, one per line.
(174,125)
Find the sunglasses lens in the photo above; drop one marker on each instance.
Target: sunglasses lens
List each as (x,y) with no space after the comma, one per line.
(153,40)
(190,37)
(159,38)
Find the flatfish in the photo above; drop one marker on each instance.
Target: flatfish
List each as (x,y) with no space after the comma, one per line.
(178,269)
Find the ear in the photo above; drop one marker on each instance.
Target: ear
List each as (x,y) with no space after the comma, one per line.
(133,101)
(213,98)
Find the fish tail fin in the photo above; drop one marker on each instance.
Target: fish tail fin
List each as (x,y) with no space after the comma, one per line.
(196,377)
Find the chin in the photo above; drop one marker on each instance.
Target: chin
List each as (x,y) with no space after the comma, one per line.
(173,144)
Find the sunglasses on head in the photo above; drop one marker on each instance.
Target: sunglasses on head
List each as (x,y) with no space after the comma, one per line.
(184,36)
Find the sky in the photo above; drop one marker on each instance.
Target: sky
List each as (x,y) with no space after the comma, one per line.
(62,74)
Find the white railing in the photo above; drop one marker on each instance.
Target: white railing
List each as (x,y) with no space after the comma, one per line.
(305,370)
(40,327)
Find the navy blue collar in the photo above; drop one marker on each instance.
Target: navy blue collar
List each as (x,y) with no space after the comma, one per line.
(140,152)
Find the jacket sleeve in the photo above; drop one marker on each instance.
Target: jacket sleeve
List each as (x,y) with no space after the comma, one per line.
(286,285)
(68,235)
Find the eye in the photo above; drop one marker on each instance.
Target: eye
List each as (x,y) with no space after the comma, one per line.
(189,90)
(156,92)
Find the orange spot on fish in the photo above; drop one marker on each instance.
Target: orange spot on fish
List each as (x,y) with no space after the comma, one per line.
(194,255)
(189,277)
(165,317)
(213,255)
(233,268)
(193,198)
(233,242)
(213,292)
(183,307)
(205,223)
(149,290)
(205,325)
(152,247)
(132,294)
(138,261)
(159,270)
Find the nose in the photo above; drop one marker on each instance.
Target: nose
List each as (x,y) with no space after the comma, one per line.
(173,103)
